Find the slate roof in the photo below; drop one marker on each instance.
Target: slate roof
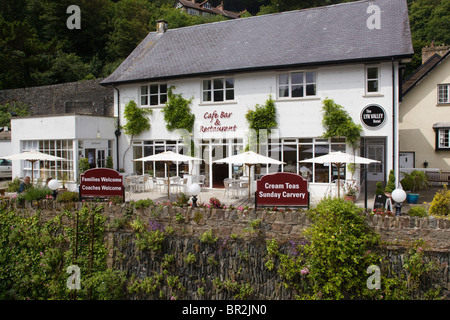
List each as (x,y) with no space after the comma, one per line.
(324,35)
(421,72)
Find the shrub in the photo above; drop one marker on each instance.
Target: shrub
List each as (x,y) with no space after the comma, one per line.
(414,181)
(208,237)
(182,199)
(68,196)
(34,194)
(14,185)
(143,203)
(333,262)
(379,189)
(390,186)
(418,212)
(440,204)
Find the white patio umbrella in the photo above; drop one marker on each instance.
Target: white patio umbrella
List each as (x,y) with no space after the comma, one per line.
(33,156)
(249,158)
(338,159)
(168,157)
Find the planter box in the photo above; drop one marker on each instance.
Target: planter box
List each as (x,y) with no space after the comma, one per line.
(412,198)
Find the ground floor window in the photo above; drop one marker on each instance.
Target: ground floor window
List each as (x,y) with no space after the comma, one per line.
(61,169)
(293,150)
(158,168)
(288,150)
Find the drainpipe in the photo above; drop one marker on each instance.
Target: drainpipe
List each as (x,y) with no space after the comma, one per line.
(394,127)
(117,132)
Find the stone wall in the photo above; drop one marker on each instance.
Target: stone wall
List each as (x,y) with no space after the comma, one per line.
(83,97)
(234,266)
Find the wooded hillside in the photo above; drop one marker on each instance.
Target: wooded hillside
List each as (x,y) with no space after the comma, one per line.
(37,48)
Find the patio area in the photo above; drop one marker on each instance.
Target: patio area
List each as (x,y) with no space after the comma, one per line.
(241,200)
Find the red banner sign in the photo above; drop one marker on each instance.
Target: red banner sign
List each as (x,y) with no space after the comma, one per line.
(101,182)
(282,189)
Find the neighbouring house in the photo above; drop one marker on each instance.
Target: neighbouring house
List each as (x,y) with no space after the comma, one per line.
(351,53)
(204,8)
(425,113)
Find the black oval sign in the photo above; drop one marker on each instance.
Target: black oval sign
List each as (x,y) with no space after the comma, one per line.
(373,116)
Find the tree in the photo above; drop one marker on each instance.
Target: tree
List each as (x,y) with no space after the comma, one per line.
(14,108)
(23,57)
(130,25)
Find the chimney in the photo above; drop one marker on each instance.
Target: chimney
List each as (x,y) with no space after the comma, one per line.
(161,26)
(430,51)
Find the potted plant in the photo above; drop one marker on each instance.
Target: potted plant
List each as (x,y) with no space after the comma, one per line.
(350,190)
(390,186)
(379,188)
(413,182)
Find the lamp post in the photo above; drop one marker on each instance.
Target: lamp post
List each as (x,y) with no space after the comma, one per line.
(53,185)
(398,195)
(194,190)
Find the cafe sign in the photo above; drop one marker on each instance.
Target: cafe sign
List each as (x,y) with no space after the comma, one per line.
(101,182)
(215,122)
(282,189)
(373,116)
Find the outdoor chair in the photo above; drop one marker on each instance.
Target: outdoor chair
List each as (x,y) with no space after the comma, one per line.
(230,187)
(176,184)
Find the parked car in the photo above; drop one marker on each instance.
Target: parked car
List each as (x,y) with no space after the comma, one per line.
(5,168)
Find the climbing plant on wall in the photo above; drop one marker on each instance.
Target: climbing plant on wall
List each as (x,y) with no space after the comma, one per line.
(339,124)
(137,121)
(178,115)
(262,117)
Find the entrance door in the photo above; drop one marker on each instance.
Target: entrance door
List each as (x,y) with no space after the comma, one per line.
(406,159)
(375,150)
(219,170)
(90,153)
(101,158)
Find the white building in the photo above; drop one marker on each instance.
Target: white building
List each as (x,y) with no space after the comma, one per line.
(350,53)
(70,136)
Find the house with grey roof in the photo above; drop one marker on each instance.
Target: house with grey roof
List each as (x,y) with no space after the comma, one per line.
(204,8)
(424,121)
(351,53)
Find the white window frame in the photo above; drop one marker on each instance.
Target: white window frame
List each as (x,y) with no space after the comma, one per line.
(377,79)
(443,93)
(290,84)
(212,90)
(443,138)
(148,95)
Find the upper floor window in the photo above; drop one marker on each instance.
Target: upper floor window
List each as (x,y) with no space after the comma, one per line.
(154,94)
(443,96)
(296,84)
(218,89)
(372,80)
